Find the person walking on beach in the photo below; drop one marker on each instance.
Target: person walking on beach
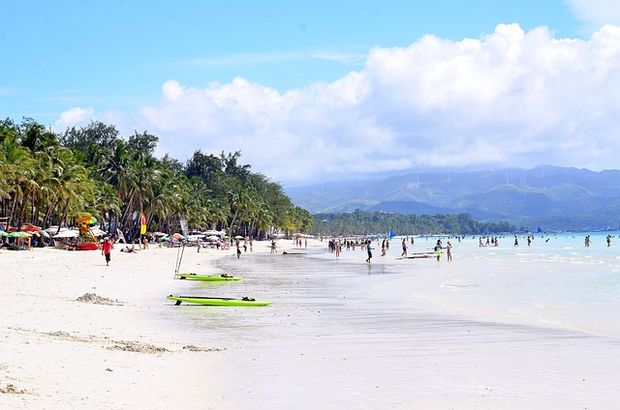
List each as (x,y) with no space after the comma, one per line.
(273,246)
(608,241)
(369,250)
(449,251)
(238,249)
(383,250)
(404,248)
(516,241)
(106,248)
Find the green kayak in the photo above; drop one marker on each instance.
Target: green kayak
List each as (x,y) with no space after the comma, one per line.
(209,301)
(210,278)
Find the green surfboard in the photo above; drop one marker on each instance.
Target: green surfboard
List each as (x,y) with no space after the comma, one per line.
(211,301)
(208,278)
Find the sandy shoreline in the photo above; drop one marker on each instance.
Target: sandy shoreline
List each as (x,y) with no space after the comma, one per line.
(340,333)
(57,352)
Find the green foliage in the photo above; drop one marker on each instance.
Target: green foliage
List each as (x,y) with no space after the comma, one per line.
(46,179)
(368,223)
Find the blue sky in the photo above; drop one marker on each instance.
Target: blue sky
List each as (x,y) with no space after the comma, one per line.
(325,90)
(116,54)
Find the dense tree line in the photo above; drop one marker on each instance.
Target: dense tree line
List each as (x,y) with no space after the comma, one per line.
(47,178)
(369,223)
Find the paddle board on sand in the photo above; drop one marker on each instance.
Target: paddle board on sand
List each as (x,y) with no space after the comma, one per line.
(210,301)
(211,278)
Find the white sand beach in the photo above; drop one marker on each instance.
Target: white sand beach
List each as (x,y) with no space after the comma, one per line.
(340,334)
(57,352)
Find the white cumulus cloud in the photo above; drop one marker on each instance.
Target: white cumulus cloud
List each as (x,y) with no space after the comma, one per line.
(509,98)
(596,13)
(75,116)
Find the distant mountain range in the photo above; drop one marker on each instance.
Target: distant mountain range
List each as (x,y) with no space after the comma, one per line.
(547,197)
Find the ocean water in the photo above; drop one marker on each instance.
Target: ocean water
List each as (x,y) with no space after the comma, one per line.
(498,327)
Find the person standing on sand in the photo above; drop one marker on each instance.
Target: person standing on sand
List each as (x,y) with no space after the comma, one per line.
(438,248)
(404,248)
(383,250)
(449,251)
(238,249)
(106,248)
(369,250)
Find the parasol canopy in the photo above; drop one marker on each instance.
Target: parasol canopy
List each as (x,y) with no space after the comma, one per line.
(68,233)
(19,234)
(212,232)
(29,228)
(98,231)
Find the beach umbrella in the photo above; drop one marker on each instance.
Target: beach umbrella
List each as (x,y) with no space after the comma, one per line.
(52,230)
(66,234)
(97,231)
(159,234)
(213,238)
(19,235)
(29,228)
(214,232)
(238,237)
(2,233)
(177,236)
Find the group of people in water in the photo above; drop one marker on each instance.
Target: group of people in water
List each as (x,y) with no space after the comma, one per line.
(336,245)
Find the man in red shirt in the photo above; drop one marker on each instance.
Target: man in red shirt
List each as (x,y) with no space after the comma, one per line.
(106,247)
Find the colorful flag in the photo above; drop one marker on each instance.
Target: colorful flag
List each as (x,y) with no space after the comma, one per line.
(142,224)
